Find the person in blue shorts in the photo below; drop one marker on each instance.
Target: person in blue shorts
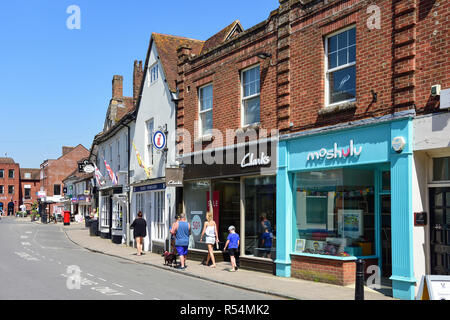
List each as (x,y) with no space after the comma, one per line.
(233,245)
(181,230)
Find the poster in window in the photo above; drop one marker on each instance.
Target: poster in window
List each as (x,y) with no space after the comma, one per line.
(350,223)
(300,245)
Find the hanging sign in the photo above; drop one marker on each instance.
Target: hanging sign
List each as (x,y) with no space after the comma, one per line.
(434,287)
(85,166)
(174,177)
(159,140)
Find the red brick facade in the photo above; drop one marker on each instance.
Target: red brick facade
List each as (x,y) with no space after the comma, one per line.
(337,272)
(53,172)
(29,179)
(9,184)
(399,62)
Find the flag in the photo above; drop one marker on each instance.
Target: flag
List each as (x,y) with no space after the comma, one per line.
(112,176)
(99,176)
(141,162)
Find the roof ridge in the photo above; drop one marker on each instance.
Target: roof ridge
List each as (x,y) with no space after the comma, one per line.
(173,36)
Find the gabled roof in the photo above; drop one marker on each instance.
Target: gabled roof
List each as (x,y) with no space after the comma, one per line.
(223,35)
(35,173)
(167,46)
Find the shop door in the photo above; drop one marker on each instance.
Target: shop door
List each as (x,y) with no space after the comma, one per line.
(440,230)
(386,237)
(1,207)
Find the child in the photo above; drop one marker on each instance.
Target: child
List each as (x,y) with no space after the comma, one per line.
(233,245)
(267,242)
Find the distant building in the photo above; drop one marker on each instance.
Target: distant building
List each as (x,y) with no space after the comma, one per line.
(9,186)
(54,171)
(30,184)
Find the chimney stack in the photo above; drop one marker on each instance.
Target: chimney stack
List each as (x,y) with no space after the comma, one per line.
(117,87)
(138,75)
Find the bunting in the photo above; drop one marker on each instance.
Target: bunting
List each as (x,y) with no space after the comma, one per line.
(99,176)
(112,175)
(141,162)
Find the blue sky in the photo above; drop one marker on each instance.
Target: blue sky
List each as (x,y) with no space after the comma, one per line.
(55,83)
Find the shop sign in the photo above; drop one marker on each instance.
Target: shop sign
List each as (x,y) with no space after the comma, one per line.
(41,194)
(87,192)
(86,167)
(398,144)
(249,160)
(335,152)
(174,177)
(150,187)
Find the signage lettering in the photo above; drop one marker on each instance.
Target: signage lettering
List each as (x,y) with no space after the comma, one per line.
(335,152)
(263,160)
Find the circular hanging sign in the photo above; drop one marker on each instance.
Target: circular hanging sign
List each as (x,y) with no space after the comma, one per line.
(159,140)
(398,144)
(196,225)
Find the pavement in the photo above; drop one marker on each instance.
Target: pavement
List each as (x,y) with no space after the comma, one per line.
(287,288)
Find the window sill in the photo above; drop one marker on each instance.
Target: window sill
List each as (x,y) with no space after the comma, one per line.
(345,106)
(253,126)
(205,138)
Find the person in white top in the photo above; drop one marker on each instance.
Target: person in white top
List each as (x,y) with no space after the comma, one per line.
(210,229)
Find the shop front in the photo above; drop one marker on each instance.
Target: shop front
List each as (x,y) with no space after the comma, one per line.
(242,193)
(106,208)
(344,194)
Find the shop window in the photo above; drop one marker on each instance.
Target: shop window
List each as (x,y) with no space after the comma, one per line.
(335,212)
(340,51)
(227,193)
(441,169)
(196,206)
(206,110)
(159,214)
(104,212)
(117,215)
(260,213)
(386,180)
(250,96)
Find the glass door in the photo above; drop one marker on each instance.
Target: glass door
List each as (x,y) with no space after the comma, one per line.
(440,230)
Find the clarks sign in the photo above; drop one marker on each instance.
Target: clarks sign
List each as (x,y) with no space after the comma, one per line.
(335,153)
(249,160)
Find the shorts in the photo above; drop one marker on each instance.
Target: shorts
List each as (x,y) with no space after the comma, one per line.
(182,250)
(233,252)
(210,240)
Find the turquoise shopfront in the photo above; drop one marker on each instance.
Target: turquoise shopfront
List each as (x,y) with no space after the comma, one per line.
(345,193)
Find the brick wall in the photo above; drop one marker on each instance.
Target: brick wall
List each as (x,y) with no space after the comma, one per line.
(323,270)
(5,197)
(399,62)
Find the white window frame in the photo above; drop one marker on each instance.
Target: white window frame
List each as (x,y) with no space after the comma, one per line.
(200,111)
(153,74)
(243,99)
(328,72)
(159,216)
(149,141)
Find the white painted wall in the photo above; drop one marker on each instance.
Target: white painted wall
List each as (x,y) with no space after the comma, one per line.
(156,103)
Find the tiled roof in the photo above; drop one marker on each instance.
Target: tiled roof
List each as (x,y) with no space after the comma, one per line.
(167,46)
(6,160)
(35,173)
(129,107)
(223,35)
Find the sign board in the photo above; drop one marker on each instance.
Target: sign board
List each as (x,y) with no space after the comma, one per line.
(150,187)
(159,140)
(434,287)
(174,177)
(42,194)
(85,166)
(196,225)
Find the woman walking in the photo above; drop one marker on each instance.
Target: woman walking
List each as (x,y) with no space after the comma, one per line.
(210,229)
(140,231)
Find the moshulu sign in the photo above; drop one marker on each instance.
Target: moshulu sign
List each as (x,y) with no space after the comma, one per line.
(434,287)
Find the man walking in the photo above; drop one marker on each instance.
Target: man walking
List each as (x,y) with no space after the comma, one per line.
(181,230)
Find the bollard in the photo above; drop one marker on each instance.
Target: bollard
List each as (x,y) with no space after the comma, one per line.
(359,285)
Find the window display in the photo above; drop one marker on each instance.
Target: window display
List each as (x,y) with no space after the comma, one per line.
(335,212)
(195,195)
(260,214)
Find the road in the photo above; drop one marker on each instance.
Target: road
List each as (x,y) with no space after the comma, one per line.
(37,261)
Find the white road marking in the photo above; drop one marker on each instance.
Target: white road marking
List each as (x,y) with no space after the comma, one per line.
(156,299)
(23,237)
(29,232)
(136,291)
(26,256)
(91,275)
(101,279)
(26,244)
(117,285)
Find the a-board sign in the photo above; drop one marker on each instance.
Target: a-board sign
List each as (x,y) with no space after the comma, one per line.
(434,287)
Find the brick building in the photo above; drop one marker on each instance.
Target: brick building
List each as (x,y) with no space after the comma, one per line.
(343,82)
(9,186)
(54,171)
(30,184)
